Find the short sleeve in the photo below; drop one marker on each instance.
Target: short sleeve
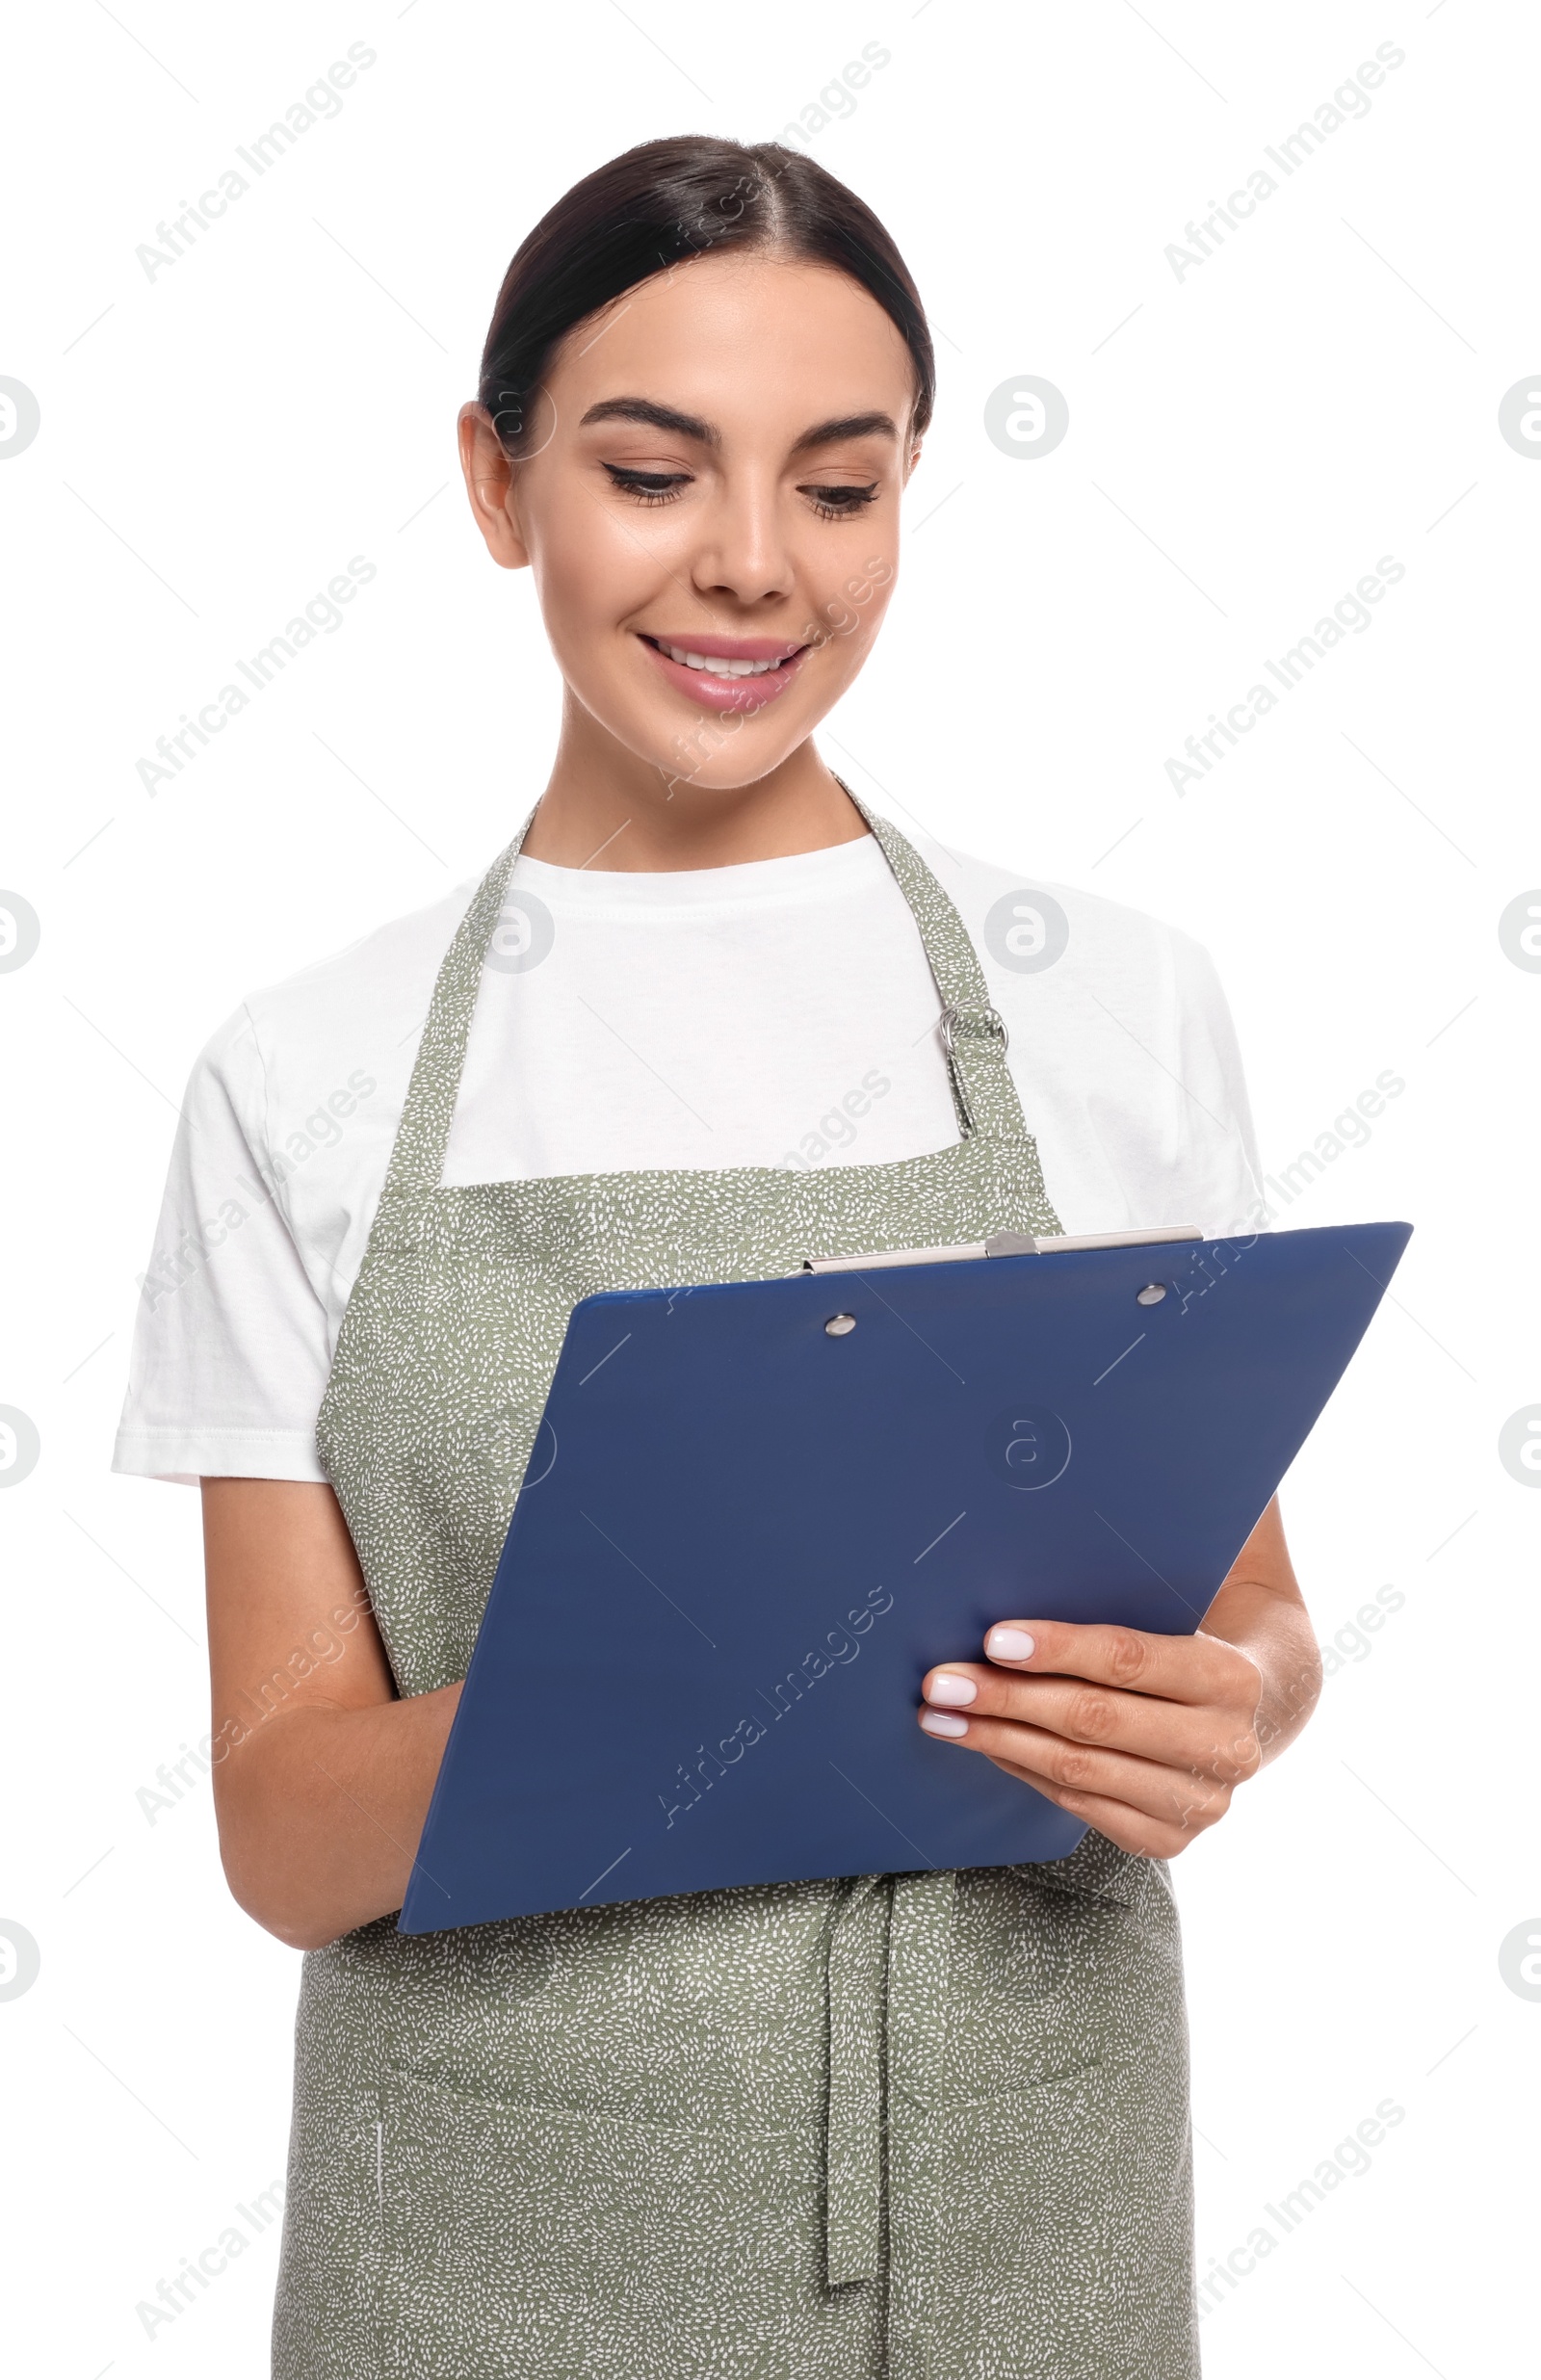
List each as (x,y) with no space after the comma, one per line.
(1123,1052)
(231,1342)
(1224,1170)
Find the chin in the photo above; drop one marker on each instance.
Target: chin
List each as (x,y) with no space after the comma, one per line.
(706,749)
(729,772)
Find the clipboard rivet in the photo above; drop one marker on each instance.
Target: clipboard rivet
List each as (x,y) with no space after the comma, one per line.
(838,1324)
(1151,1295)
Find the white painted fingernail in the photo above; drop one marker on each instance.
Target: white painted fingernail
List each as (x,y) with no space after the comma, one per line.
(943,1723)
(1010,1644)
(947,1689)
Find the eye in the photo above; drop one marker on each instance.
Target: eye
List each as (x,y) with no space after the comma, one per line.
(838,503)
(647,487)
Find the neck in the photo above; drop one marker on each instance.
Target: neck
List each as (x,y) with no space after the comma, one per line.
(606,808)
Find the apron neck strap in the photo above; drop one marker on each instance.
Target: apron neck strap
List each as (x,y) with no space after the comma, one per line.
(972,1035)
(423,1135)
(973,1038)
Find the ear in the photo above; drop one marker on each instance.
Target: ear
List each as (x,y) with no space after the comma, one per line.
(912,458)
(491,484)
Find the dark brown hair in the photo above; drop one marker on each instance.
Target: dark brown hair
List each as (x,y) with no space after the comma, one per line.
(660,205)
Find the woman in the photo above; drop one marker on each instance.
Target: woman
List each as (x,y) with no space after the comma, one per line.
(688,1027)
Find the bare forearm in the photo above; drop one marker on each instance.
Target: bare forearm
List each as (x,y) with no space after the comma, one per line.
(320,1809)
(1276,1631)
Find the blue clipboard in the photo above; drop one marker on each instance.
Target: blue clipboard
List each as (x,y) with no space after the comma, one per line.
(743,1538)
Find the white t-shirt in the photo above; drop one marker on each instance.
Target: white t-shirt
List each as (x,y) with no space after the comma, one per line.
(778,1013)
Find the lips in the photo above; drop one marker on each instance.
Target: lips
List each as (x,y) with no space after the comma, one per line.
(726,673)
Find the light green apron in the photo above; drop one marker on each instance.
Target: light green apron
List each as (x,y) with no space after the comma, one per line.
(926,2126)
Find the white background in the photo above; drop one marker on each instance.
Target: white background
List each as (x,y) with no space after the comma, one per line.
(1246,443)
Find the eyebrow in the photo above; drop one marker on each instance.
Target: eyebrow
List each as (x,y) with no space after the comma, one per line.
(689,426)
(656,416)
(846,426)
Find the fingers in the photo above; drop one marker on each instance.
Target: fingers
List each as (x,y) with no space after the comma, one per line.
(1190,1669)
(1143,1737)
(1168,1794)
(1219,1741)
(1131,1830)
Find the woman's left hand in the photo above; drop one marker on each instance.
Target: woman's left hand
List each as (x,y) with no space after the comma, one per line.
(1146,1738)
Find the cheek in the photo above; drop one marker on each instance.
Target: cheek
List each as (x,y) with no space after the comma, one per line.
(593,570)
(850,592)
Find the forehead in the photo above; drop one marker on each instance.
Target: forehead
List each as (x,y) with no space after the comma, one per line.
(743,341)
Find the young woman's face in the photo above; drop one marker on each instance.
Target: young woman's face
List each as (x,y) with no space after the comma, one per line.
(715,469)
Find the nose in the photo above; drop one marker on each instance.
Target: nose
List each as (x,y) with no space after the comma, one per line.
(742,550)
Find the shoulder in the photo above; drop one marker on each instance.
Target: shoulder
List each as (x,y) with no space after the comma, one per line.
(355,1013)
(1121,1045)
(1039,939)
(372,987)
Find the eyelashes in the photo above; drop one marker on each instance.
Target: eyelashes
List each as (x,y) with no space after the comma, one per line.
(833,504)
(655,487)
(648,486)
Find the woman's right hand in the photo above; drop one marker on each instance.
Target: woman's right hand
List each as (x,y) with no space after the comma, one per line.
(321,1774)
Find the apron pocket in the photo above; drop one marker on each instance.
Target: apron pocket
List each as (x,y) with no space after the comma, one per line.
(1059,2225)
(1051,1974)
(526,2238)
(706,2011)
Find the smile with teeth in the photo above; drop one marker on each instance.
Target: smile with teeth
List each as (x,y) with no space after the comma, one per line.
(718,666)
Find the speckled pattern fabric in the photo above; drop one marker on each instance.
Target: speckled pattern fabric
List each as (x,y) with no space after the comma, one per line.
(912,2126)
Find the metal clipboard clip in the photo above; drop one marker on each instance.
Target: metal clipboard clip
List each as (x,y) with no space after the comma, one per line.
(1005,1244)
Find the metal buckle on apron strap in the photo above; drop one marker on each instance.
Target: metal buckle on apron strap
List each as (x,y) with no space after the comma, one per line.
(954,1021)
(978,1024)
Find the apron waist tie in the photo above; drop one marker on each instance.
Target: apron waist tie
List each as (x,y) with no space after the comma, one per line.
(889,1956)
